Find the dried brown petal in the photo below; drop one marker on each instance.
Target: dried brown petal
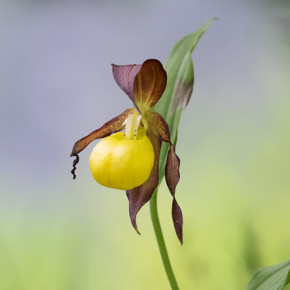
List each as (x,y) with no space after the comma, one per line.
(149,84)
(75,162)
(172,177)
(112,126)
(124,76)
(138,196)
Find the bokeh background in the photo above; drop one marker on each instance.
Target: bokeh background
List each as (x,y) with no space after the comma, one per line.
(56,86)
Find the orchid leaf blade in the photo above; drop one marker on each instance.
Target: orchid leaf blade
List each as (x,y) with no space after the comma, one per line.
(180,76)
(274,277)
(180,79)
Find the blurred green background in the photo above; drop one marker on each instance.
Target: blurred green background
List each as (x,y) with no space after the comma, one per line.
(56,86)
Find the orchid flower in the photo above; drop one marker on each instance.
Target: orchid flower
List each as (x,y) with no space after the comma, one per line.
(128,156)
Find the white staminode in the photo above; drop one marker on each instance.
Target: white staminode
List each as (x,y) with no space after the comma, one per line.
(132,125)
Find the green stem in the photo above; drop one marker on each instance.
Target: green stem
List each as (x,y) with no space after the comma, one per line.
(161,242)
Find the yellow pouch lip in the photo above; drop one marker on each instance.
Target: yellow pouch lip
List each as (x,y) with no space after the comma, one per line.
(135,153)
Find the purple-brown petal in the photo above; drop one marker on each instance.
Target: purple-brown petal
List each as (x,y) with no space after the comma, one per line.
(158,125)
(177,220)
(149,84)
(113,126)
(160,128)
(124,76)
(138,196)
(172,177)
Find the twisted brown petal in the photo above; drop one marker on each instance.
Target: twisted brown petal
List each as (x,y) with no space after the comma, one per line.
(112,126)
(138,196)
(149,84)
(124,76)
(172,176)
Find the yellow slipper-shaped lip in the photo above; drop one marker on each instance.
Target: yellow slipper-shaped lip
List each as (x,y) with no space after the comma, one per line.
(122,163)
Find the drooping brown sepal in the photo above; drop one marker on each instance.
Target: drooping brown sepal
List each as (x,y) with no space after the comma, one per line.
(140,195)
(172,177)
(149,84)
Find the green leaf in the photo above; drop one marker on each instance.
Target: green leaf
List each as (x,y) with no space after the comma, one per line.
(271,278)
(180,78)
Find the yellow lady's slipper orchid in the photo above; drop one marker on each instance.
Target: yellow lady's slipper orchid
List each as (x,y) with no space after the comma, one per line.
(130,160)
(122,163)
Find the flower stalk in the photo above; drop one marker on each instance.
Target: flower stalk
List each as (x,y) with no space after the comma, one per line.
(161,242)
